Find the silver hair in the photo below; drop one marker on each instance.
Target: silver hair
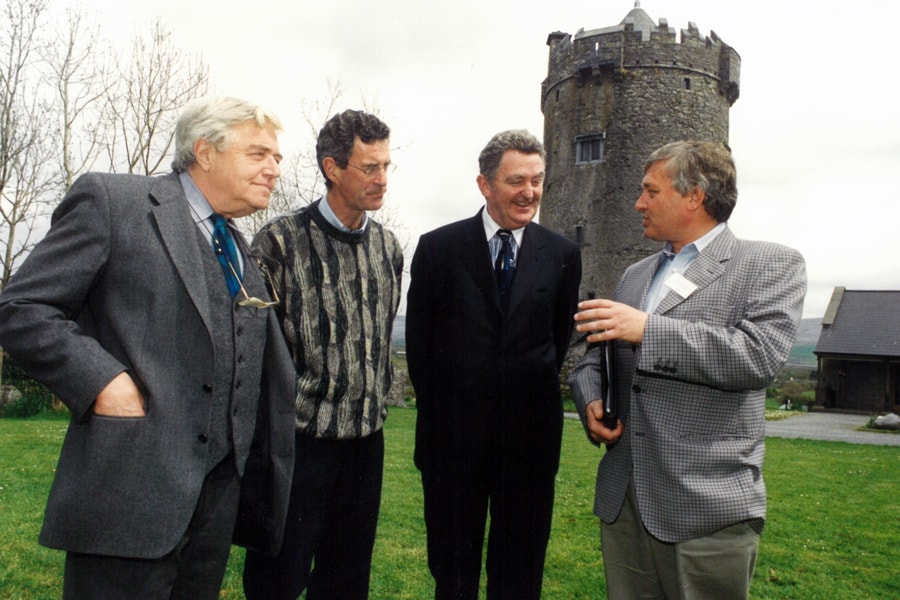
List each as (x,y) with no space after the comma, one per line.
(214,119)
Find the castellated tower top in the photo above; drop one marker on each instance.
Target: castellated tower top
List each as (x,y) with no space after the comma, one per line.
(638,42)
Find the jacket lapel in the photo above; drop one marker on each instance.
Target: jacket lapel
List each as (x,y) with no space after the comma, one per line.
(708,267)
(179,235)
(633,290)
(475,257)
(529,266)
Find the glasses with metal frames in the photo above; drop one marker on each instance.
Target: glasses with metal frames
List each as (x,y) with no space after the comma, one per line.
(251,301)
(374,169)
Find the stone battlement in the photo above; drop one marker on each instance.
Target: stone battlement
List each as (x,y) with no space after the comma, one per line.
(639,44)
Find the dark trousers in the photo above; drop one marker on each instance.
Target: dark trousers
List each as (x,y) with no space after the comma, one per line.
(192,571)
(331,522)
(455,516)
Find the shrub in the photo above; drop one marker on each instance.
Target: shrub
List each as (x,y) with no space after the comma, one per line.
(799,394)
(36,398)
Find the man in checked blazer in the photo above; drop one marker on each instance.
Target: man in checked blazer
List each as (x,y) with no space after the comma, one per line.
(489,423)
(700,329)
(124,312)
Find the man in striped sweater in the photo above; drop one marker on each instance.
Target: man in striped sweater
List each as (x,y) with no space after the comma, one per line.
(338,274)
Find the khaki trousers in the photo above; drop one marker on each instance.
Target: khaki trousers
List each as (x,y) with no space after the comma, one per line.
(637,565)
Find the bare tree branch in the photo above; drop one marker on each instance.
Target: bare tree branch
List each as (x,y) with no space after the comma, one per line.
(154,88)
(79,75)
(26,173)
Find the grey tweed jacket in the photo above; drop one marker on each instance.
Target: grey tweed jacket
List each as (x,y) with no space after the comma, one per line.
(693,393)
(118,284)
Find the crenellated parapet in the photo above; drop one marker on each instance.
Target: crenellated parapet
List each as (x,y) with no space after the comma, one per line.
(614,51)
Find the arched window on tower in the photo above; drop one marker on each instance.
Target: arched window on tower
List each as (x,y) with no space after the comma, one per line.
(589,148)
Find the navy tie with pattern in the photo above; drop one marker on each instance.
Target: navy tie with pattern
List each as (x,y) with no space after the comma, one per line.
(226,252)
(505,266)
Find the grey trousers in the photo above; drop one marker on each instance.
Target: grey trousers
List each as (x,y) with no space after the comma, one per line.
(192,571)
(637,565)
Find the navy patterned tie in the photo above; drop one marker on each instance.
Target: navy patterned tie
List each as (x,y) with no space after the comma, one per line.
(226,252)
(505,266)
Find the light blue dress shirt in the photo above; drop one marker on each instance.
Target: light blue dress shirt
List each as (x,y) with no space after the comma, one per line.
(202,211)
(672,263)
(329,215)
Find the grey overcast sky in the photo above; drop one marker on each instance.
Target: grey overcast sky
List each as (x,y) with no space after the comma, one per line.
(815,132)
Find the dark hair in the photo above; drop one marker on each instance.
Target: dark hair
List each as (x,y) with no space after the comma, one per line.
(706,165)
(514,139)
(340,132)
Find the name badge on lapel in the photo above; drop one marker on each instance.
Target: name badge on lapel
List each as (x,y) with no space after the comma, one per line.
(680,285)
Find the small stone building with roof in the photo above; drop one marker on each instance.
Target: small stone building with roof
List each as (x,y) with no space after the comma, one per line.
(858,352)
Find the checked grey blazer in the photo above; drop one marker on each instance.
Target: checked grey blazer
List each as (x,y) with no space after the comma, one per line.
(692,395)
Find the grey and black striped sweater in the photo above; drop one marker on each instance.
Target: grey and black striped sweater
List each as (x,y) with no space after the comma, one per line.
(339,294)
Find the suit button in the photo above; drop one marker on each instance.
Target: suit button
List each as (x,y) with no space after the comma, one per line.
(237,384)
(207,388)
(636,389)
(202,438)
(234,412)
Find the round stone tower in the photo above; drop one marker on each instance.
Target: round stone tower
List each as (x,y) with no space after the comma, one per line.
(611,97)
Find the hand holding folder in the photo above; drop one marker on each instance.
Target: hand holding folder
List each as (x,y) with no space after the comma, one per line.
(608,383)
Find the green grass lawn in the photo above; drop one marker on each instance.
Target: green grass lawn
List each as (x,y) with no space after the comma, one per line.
(832,530)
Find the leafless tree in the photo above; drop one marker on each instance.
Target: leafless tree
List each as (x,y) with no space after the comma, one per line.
(25,135)
(59,113)
(24,173)
(155,86)
(79,75)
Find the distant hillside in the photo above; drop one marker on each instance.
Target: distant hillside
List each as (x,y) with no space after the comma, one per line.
(807,337)
(399,333)
(808,334)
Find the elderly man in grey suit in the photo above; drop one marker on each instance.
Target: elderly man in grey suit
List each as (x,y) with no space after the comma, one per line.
(143,311)
(698,331)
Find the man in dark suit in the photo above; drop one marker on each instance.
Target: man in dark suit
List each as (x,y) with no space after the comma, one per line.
(699,330)
(158,336)
(484,355)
